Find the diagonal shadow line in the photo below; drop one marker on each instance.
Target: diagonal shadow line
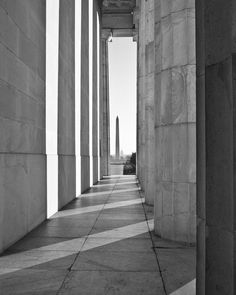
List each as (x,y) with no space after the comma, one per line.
(94,208)
(111,177)
(121,233)
(188,289)
(108,192)
(112,184)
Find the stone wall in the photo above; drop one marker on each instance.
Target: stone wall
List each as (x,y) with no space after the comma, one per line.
(22,118)
(175,120)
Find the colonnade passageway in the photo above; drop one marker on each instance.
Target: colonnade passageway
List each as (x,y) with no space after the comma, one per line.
(101,243)
(117,234)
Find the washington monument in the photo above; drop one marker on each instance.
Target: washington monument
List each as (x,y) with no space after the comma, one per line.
(117,139)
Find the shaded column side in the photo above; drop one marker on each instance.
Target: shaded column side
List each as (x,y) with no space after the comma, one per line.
(85,158)
(141,95)
(66,104)
(104,108)
(216,150)
(95,96)
(149,162)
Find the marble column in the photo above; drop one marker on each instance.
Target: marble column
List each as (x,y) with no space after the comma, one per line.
(149,164)
(95,97)
(175,120)
(117,138)
(141,95)
(66,104)
(85,157)
(101,102)
(52,58)
(215,146)
(104,106)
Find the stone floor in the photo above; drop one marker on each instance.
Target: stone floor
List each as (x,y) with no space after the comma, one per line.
(101,243)
(116,169)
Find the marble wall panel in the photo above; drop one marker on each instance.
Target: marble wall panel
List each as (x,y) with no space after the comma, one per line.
(167,42)
(22,118)
(23,195)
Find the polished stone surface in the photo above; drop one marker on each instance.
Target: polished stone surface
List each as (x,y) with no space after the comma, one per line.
(101,243)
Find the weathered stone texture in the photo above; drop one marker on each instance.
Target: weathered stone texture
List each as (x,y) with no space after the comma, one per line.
(150,184)
(175,120)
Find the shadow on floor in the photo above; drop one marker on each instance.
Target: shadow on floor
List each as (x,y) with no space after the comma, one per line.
(98,244)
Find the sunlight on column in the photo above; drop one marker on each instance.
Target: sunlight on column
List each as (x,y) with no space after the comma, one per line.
(91,89)
(98,91)
(52,44)
(78,93)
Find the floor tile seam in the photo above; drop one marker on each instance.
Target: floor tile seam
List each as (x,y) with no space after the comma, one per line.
(72,226)
(105,202)
(153,244)
(80,270)
(100,212)
(69,238)
(104,238)
(73,252)
(70,268)
(148,252)
(20,251)
(116,271)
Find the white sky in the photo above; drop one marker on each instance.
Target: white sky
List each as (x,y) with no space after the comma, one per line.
(122,75)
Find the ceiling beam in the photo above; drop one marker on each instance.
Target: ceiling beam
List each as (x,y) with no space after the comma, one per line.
(117,21)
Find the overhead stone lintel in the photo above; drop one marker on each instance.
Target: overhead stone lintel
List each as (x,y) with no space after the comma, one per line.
(117,21)
(123,33)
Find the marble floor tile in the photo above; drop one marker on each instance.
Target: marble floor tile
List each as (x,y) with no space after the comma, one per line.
(112,283)
(32,281)
(117,245)
(100,243)
(60,231)
(116,261)
(46,243)
(177,266)
(36,259)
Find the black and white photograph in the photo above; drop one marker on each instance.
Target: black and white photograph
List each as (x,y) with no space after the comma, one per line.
(117,147)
